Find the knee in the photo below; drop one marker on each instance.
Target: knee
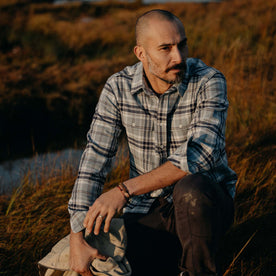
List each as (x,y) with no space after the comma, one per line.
(193,191)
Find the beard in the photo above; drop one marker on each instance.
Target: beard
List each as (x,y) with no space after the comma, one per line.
(180,75)
(156,71)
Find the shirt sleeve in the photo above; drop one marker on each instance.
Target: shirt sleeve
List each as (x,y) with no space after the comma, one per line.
(102,144)
(204,148)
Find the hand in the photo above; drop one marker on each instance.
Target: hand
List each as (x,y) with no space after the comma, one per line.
(104,207)
(82,254)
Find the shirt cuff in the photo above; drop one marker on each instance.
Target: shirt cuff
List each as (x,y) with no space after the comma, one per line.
(76,221)
(179,159)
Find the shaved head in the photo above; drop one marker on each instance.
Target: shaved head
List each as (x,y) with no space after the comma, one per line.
(143,22)
(161,46)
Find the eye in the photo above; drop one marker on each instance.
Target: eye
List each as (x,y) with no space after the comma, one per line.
(182,44)
(165,48)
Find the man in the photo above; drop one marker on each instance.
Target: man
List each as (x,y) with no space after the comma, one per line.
(178,201)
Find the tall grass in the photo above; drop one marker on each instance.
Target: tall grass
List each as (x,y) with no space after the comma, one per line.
(35,217)
(77,53)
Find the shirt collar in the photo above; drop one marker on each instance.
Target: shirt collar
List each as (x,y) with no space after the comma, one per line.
(138,82)
(182,87)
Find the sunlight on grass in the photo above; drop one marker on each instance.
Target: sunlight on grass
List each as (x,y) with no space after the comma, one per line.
(61,56)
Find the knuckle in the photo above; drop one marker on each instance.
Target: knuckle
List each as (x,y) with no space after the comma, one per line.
(111,210)
(97,201)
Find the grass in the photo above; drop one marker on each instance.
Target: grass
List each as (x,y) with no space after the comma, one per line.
(55,58)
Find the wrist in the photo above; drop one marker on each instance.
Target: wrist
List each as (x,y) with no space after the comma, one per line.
(124,191)
(76,238)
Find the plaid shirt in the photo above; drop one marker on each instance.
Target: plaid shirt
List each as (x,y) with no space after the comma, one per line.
(185,125)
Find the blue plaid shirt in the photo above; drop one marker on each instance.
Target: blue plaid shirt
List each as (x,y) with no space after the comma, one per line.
(185,125)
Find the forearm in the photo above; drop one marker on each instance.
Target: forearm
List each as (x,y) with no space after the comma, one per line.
(82,254)
(163,176)
(76,237)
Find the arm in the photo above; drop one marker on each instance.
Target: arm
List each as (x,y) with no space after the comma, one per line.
(102,143)
(82,254)
(161,177)
(113,200)
(94,166)
(204,149)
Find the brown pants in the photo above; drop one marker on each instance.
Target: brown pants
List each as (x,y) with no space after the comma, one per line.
(182,236)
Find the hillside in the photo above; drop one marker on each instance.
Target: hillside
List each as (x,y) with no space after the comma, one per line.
(54,61)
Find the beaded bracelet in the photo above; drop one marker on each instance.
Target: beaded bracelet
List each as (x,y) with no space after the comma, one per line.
(123,188)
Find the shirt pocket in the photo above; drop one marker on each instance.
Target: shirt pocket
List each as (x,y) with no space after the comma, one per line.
(139,129)
(177,132)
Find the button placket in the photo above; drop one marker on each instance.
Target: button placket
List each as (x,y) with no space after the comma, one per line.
(162,128)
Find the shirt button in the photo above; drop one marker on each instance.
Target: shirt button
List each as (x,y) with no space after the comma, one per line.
(180,126)
(133,124)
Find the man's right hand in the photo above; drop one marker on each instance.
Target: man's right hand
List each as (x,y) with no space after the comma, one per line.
(82,254)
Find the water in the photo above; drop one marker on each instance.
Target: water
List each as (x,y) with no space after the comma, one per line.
(12,172)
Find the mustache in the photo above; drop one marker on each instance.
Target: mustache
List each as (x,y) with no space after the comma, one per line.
(181,66)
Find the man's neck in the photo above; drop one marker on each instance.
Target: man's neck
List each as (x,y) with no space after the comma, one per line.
(157,85)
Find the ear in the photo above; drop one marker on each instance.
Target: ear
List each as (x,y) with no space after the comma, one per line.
(139,51)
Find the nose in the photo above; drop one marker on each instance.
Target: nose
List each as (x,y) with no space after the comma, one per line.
(177,55)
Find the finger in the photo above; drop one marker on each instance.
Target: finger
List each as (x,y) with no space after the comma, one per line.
(89,214)
(89,222)
(96,254)
(98,224)
(86,219)
(101,257)
(107,221)
(88,273)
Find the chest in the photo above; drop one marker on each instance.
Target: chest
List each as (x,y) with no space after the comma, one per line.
(150,119)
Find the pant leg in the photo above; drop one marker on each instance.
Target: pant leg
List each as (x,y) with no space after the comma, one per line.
(203,211)
(151,250)
(185,233)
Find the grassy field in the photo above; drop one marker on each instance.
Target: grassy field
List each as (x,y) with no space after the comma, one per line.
(54,61)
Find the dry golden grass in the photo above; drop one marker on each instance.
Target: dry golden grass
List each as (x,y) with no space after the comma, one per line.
(35,218)
(76,56)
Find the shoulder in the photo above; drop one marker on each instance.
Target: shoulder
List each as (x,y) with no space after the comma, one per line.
(126,75)
(198,69)
(127,81)
(206,81)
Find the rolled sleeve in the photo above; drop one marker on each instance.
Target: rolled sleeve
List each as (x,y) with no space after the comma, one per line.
(205,144)
(102,144)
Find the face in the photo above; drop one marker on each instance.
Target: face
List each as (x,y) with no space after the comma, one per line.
(165,52)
